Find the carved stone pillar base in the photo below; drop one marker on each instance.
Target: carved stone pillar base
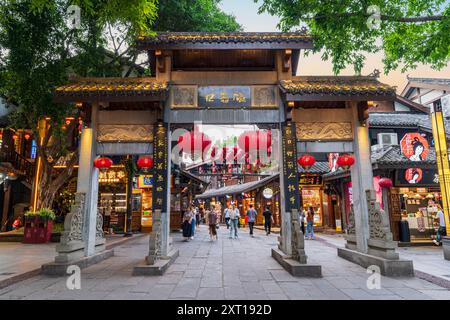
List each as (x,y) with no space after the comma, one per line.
(383,249)
(351,242)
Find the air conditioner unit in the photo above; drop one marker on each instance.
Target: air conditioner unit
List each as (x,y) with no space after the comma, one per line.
(387,139)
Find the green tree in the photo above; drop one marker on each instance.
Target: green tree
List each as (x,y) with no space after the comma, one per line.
(194,15)
(407,31)
(37,52)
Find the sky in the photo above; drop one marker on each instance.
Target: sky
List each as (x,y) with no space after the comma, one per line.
(246,13)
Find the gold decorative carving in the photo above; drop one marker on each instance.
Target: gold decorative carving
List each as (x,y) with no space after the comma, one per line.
(184,96)
(324,131)
(264,96)
(125,132)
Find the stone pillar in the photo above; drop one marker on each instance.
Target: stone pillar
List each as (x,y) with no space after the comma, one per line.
(161,187)
(362,180)
(83,235)
(285,233)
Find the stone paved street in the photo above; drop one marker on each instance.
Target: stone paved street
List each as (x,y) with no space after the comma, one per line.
(226,269)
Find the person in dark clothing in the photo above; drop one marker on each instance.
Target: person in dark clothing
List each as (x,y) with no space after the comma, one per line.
(251,214)
(268,218)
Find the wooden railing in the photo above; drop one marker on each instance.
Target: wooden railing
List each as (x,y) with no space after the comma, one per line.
(19,163)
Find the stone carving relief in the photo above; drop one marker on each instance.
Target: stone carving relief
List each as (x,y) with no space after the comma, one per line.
(264,96)
(298,239)
(73,223)
(184,96)
(99,227)
(351,222)
(154,252)
(324,131)
(378,221)
(125,132)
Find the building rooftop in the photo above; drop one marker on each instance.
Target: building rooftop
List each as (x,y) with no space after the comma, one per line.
(338,86)
(110,89)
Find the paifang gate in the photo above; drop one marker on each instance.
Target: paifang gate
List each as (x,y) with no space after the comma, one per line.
(219,78)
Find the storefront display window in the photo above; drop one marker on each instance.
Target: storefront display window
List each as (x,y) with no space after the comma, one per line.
(312,198)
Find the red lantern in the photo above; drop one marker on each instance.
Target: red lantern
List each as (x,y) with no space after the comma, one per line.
(255,139)
(15,136)
(345,161)
(145,163)
(27,136)
(103,163)
(306,161)
(385,183)
(191,141)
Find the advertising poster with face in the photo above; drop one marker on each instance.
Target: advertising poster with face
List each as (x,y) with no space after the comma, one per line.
(413,175)
(414,146)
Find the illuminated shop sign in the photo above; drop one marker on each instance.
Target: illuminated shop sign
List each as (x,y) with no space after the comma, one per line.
(417,177)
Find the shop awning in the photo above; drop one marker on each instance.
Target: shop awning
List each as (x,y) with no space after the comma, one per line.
(238,188)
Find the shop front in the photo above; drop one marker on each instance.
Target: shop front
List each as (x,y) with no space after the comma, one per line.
(311,188)
(112,200)
(418,201)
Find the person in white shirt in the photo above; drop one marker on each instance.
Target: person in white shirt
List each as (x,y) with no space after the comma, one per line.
(227,217)
(234,219)
(441,230)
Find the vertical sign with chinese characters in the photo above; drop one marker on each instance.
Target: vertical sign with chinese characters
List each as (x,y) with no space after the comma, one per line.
(160,157)
(291,187)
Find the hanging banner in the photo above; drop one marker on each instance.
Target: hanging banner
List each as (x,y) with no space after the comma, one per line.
(414,146)
(160,156)
(291,187)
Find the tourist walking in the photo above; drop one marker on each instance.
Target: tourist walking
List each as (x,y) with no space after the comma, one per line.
(212,223)
(251,215)
(197,216)
(234,220)
(310,224)
(268,219)
(442,231)
(227,216)
(187,224)
(194,220)
(302,220)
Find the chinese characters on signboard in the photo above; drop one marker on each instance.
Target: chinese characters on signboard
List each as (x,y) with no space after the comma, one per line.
(112,176)
(291,187)
(306,179)
(225,96)
(160,169)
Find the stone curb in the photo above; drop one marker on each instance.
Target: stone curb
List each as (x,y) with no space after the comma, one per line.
(35,272)
(418,274)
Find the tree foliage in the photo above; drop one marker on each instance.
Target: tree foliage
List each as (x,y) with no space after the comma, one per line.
(39,51)
(407,31)
(194,15)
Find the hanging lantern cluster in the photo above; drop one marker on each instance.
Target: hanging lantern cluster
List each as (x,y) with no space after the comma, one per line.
(194,141)
(385,183)
(345,161)
(255,140)
(103,163)
(306,161)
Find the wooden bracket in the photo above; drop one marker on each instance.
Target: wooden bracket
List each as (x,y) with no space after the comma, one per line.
(160,61)
(287,60)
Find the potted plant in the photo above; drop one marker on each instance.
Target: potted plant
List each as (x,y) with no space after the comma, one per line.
(46,217)
(30,223)
(39,225)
